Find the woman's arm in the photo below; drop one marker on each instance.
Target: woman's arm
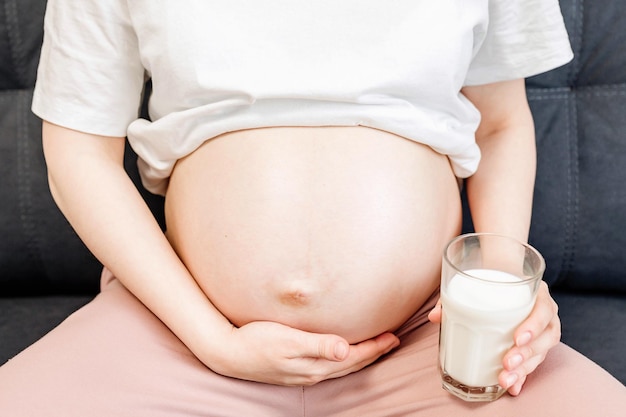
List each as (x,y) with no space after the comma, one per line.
(89,184)
(500,192)
(500,197)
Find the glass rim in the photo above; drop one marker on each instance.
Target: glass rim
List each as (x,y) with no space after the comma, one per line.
(527,246)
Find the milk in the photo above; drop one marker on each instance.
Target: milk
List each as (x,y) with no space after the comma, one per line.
(478,322)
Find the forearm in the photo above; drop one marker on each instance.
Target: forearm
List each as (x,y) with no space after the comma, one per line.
(92,189)
(500,193)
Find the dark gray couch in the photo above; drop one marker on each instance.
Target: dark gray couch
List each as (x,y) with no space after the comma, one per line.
(579,218)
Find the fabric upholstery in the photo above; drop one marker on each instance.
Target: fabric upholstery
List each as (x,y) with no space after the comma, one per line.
(579,221)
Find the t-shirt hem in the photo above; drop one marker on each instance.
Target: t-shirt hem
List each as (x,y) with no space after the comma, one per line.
(539,65)
(89,125)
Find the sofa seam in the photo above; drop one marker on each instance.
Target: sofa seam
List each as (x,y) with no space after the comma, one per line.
(579,11)
(560,93)
(554,96)
(15,40)
(602,92)
(571,221)
(565,245)
(575,185)
(24,189)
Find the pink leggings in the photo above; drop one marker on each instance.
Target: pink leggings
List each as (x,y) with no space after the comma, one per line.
(114,358)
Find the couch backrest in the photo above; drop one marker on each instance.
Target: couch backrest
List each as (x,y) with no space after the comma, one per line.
(579,220)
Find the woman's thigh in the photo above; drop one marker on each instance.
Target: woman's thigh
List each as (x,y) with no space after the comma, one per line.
(113,357)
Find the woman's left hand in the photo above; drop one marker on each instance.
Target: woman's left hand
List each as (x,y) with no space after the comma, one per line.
(539,333)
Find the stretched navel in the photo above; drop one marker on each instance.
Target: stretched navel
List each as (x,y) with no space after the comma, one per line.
(295,298)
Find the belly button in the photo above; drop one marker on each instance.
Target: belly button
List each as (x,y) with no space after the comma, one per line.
(294,298)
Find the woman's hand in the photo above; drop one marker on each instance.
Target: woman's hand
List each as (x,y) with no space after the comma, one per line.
(539,333)
(273,353)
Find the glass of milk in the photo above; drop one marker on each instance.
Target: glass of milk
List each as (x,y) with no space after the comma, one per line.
(489,285)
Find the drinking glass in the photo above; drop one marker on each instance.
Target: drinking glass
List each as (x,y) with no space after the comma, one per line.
(489,284)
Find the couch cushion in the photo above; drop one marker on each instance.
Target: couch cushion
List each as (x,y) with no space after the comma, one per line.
(24,320)
(585,319)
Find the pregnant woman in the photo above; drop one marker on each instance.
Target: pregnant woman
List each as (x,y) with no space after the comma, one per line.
(310,156)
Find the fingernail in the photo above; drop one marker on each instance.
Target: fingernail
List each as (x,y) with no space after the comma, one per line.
(515,361)
(523,339)
(341,351)
(510,380)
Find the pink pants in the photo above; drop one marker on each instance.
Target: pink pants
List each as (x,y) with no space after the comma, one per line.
(114,358)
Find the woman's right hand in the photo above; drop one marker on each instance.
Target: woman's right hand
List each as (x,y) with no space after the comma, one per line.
(273,353)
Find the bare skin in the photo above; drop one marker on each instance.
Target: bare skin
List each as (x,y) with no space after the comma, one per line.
(329,230)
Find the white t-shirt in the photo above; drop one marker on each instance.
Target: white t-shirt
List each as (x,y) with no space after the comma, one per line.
(225,65)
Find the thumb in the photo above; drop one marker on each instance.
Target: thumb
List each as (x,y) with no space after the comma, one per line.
(325,346)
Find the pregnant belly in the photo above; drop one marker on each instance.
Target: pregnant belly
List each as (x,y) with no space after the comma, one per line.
(330,230)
